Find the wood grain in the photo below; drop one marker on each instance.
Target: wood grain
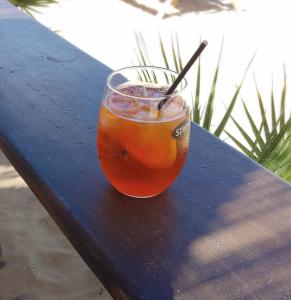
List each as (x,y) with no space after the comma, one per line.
(222,231)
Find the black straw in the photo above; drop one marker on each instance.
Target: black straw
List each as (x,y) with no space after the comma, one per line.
(183,73)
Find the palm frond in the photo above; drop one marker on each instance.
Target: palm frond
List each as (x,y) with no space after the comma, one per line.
(196,107)
(164,53)
(272,146)
(283,100)
(263,113)
(273,110)
(252,144)
(210,103)
(141,50)
(256,131)
(269,139)
(29,6)
(179,54)
(240,145)
(273,142)
(229,110)
(175,53)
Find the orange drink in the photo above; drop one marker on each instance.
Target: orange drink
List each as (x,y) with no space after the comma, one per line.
(142,149)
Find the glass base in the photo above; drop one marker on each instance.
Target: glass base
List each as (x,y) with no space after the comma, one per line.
(139,197)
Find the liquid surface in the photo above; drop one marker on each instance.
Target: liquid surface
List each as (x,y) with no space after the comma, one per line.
(143,108)
(137,150)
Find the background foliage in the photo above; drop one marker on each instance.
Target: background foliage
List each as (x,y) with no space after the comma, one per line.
(268,142)
(30,6)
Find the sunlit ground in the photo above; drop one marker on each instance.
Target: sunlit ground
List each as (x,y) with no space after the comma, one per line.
(36,260)
(9,178)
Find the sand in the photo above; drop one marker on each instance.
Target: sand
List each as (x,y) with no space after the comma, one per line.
(36,260)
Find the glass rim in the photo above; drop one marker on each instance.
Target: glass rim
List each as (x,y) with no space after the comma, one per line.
(109,77)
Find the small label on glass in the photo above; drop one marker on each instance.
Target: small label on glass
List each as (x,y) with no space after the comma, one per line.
(181,130)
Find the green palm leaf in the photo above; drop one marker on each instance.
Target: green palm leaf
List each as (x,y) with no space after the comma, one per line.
(273,142)
(141,50)
(164,53)
(229,110)
(256,131)
(252,144)
(273,110)
(179,54)
(143,58)
(240,145)
(30,6)
(275,152)
(263,113)
(209,107)
(175,53)
(279,160)
(256,140)
(196,108)
(283,101)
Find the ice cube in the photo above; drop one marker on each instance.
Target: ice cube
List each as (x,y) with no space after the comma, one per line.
(121,105)
(172,109)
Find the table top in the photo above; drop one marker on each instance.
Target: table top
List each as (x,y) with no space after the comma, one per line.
(222,231)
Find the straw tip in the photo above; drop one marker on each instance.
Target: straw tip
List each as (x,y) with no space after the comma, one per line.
(205,42)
